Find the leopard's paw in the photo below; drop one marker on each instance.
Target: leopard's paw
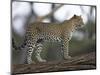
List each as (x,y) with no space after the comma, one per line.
(67,57)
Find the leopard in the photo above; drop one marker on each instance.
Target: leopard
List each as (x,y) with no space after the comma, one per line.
(37,33)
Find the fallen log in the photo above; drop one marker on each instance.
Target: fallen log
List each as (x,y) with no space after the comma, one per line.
(83,62)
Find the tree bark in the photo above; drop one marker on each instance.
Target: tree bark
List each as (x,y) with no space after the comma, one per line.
(82,62)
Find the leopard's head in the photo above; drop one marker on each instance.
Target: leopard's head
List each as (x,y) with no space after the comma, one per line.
(78,21)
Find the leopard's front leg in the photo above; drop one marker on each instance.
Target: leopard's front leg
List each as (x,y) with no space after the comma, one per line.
(65,49)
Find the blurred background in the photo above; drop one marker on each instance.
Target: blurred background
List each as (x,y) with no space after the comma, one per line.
(83,40)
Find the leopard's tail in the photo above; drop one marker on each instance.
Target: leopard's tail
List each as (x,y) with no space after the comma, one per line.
(15,46)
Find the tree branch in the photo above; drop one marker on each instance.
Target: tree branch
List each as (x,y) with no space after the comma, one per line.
(87,61)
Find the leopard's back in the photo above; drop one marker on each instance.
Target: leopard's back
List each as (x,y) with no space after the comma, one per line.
(43,30)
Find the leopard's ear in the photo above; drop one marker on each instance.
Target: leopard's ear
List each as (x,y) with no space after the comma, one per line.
(74,15)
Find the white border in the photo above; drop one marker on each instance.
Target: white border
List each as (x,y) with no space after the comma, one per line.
(5,37)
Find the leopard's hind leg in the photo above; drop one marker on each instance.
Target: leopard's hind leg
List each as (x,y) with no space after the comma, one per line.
(30,50)
(39,50)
